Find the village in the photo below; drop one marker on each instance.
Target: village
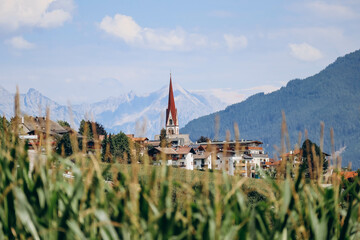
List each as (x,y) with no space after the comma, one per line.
(240,157)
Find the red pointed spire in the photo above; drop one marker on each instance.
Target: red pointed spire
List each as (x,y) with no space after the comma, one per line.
(171,106)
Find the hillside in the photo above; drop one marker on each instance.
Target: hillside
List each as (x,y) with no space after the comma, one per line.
(331,96)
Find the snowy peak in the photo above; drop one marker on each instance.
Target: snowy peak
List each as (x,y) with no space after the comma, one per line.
(120,113)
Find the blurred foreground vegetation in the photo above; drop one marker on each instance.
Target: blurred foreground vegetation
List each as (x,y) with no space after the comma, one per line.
(148,202)
(81,197)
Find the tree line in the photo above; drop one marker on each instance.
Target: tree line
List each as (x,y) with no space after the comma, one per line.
(114,147)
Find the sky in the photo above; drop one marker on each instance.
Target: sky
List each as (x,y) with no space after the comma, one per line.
(85,51)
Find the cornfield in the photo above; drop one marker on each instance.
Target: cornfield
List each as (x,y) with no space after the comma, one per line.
(120,201)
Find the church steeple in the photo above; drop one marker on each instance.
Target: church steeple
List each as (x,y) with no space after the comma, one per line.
(172,125)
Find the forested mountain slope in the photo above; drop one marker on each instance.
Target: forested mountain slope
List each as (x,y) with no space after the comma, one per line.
(331,96)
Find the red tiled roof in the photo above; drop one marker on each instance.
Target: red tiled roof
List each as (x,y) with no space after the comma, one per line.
(171,105)
(348,175)
(183,150)
(273,163)
(255,148)
(295,152)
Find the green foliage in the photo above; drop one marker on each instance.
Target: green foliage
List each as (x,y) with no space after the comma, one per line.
(63,145)
(4,124)
(311,153)
(331,96)
(88,125)
(163,137)
(116,148)
(145,202)
(163,134)
(202,139)
(63,123)
(121,146)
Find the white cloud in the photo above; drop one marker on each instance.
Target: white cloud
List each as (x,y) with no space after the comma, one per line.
(19,43)
(235,42)
(331,10)
(125,28)
(54,18)
(15,14)
(305,52)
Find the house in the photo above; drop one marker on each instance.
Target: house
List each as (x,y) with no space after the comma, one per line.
(184,158)
(37,125)
(140,143)
(181,157)
(154,143)
(35,129)
(202,160)
(158,155)
(245,168)
(237,157)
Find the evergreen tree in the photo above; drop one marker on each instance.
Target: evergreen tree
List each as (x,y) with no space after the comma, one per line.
(203,139)
(64,146)
(163,137)
(100,130)
(111,145)
(312,157)
(121,147)
(4,124)
(63,123)
(103,148)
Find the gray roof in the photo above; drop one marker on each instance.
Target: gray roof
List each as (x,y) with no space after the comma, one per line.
(259,155)
(202,156)
(39,124)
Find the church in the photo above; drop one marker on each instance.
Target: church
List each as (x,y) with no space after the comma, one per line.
(172,123)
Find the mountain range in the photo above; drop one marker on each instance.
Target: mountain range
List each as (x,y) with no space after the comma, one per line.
(332,96)
(143,115)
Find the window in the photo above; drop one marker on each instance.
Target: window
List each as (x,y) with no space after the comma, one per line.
(171,122)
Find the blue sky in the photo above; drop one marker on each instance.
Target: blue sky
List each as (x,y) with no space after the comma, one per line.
(85,51)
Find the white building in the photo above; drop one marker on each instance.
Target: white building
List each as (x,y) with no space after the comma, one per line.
(202,160)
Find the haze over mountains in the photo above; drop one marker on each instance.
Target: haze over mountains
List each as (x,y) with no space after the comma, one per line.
(127,112)
(331,96)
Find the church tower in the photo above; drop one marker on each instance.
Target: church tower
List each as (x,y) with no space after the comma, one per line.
(172,124)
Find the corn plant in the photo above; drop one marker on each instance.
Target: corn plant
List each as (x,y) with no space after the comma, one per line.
(80,197)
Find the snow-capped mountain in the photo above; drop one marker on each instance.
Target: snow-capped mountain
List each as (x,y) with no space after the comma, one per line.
(34,103)
(143,115)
